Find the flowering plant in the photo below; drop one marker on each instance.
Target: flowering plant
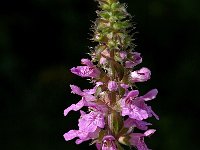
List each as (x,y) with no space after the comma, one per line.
(115,107)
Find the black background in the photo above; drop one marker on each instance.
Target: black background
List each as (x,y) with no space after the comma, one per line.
(40,40)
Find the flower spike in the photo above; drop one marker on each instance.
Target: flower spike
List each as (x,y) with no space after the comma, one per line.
(115,107)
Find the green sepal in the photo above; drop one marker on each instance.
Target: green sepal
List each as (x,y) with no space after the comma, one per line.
(125,140)
(115,122)
(121,25)
(119,147)
(104,14)
(121,91)
(115,6)
(123,131)
(102,133)
(98,91)
(105,6)
(112,97)
(99,49)
(103,77)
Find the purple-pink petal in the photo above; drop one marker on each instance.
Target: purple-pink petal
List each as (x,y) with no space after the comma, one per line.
(87,62)
(137,139)
(90,122)
(141,104)
(136,59)
(74,107)
(84,102)
(141,75)
(151,112)
(142,125)
(125,86)
(134,112)
(129,64)
(84,136)
(70,135)
(86,71)
(150,95)
(132,94)
(76,90)
(137,113)
(149,132)
(87,93)
(98,146)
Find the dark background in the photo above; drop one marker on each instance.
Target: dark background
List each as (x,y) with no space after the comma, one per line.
(40,40)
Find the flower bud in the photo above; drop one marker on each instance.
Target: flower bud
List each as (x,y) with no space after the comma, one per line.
(112,86)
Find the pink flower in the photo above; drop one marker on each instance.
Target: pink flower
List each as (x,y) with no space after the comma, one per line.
(90,70)
(133,111)
(141,75)
(87,98)
(135,60)
(137,139)
(112,86)
(135,107)
(89,127)
(108,143)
